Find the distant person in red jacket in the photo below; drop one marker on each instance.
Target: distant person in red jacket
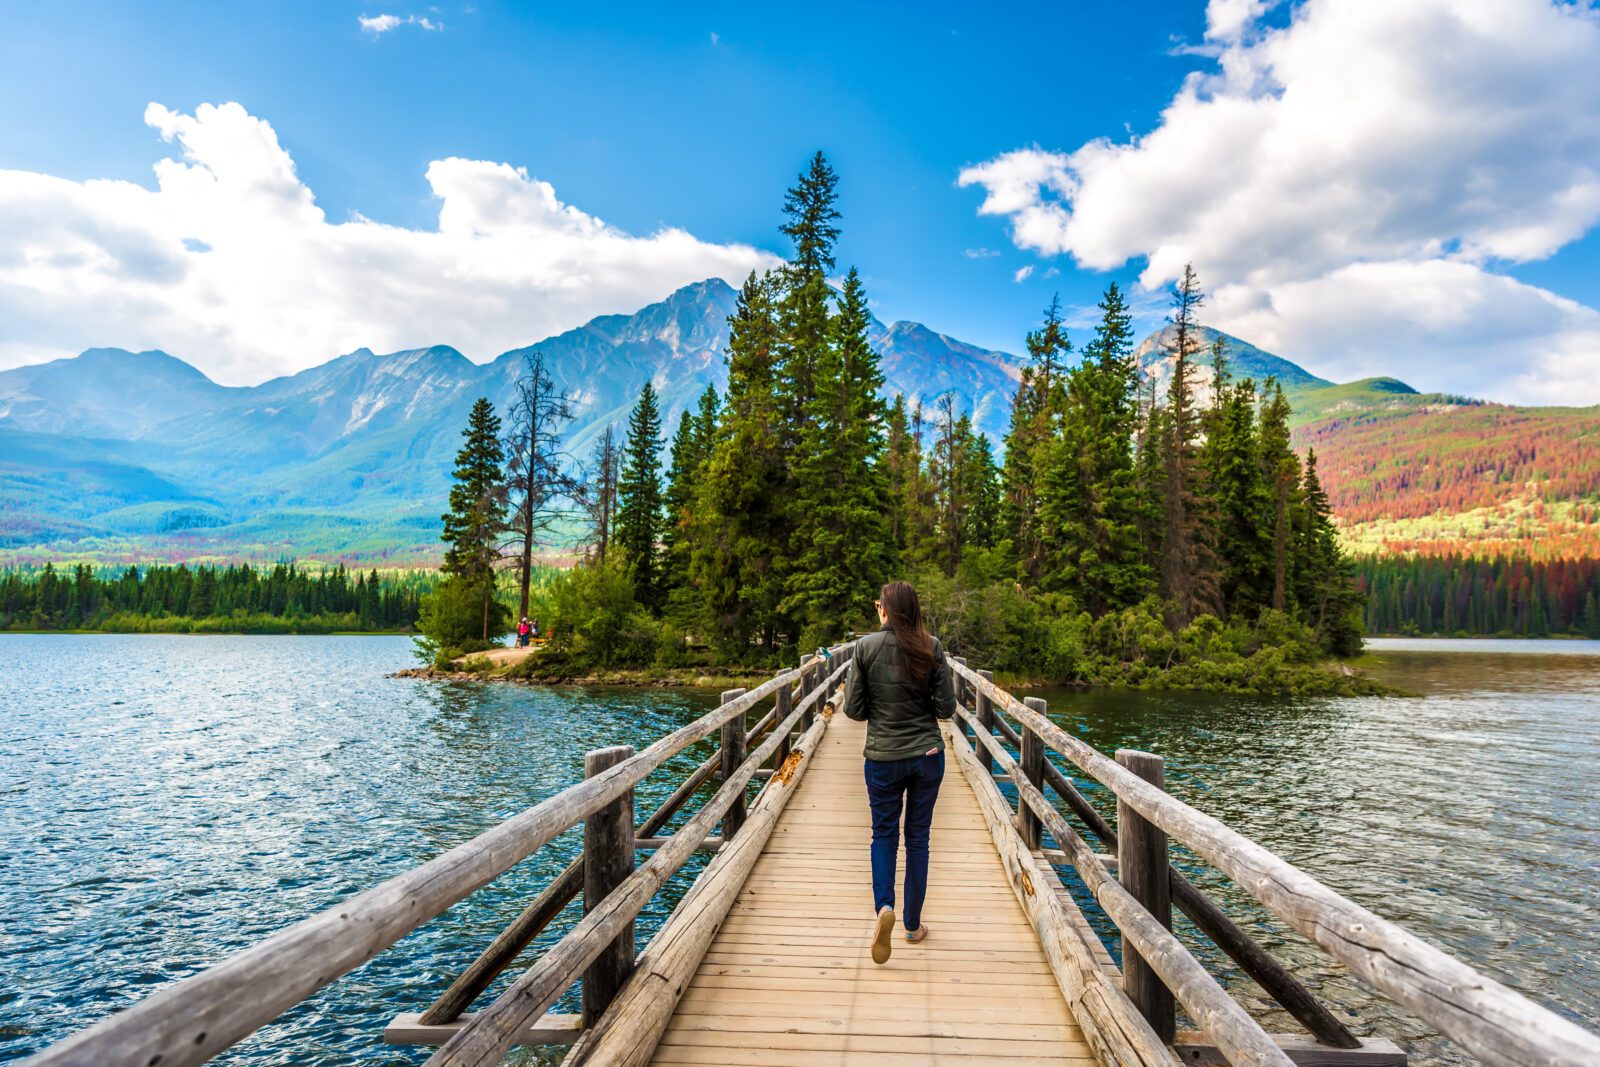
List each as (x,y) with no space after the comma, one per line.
(524,629)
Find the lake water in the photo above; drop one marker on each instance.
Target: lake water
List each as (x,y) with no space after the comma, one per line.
(167,801)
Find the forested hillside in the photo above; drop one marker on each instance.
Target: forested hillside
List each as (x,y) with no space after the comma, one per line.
(1470,479)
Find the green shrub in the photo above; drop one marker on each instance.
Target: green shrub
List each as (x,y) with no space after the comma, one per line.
(453,618)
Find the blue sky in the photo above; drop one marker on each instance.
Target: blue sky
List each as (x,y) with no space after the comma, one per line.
(659,116)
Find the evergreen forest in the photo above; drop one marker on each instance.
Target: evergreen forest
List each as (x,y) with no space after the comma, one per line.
(1130,535)
(211,599)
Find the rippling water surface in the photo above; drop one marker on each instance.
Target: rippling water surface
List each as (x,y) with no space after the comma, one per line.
(1467,814)
(167,801)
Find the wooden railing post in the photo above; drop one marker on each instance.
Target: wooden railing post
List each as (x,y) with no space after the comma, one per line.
(985,711)
(732,755)
(1031,761)
(808,682)
(607,862)
(780,713)
(1143,871)
(960,685)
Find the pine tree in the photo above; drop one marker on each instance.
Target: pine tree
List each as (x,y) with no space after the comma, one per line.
(1240,501)
(1188,563)
(683,471)
(1034,414)
(740,513)
(639,500)
(840,489)
(600,496)
(1280,470)
(477,498)
(810,207)
(690,457)
(980,485)
(1088,491)
(476,519)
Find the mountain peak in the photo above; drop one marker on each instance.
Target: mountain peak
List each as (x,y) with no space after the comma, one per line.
(150,361)
(1245,360)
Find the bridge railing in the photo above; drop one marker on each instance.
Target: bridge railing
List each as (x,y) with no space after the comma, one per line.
(195,1019)
(1483,1016)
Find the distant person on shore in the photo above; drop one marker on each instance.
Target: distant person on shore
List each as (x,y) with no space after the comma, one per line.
(524,628)
(899,684)
(533,630)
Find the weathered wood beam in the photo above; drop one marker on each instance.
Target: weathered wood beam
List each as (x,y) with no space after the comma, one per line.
(1114,1030)
(508,945)
(1485,1017)
(1143,871)
(628,1034)
(494,1029)
(1229,1025)
(409,1029)
(650,844)
(1215,923)
(1193,1047)
(607,862)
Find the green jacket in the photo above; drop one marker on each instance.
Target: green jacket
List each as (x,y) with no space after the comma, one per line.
(902,718)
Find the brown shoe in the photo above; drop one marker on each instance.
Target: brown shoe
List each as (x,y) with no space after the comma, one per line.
(918,934)
(882,940)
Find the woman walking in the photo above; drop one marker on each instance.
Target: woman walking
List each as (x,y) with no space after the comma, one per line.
(899,685)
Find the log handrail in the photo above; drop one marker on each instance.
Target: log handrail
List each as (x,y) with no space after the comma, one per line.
(491,1033)
(628,1034)
(1228,935)
(194,1019)
(1239,1037)
(1488,1019)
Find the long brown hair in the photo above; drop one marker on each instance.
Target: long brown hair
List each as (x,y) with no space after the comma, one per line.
(904,611)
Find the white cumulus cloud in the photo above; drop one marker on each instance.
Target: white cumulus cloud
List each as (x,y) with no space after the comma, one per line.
(1348,183)
(229,262)
(379,24)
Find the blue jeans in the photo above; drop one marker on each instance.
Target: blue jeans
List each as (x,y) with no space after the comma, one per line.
(913,783)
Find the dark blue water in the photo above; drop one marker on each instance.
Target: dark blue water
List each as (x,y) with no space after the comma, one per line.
(167,801)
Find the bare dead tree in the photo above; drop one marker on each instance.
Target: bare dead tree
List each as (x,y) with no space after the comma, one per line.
(542,489)
(600,493)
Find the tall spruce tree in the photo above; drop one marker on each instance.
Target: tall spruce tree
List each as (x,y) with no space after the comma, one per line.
(691,453)
(841,543)
(1188,562)
(476,520)
(1089,499)
(683,470)
(1280,471)
(600,494)
(639,500)
(980,485)
(1240,501)
(740,513)
(1034,419)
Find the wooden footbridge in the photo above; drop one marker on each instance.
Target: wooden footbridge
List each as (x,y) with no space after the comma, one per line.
(764,960)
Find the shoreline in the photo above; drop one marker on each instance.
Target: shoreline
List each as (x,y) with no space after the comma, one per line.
(1342,680)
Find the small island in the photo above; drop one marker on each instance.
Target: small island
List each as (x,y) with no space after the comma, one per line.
(1142,530)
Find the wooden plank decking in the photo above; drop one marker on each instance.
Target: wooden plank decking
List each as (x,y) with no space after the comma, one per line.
(788,979)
